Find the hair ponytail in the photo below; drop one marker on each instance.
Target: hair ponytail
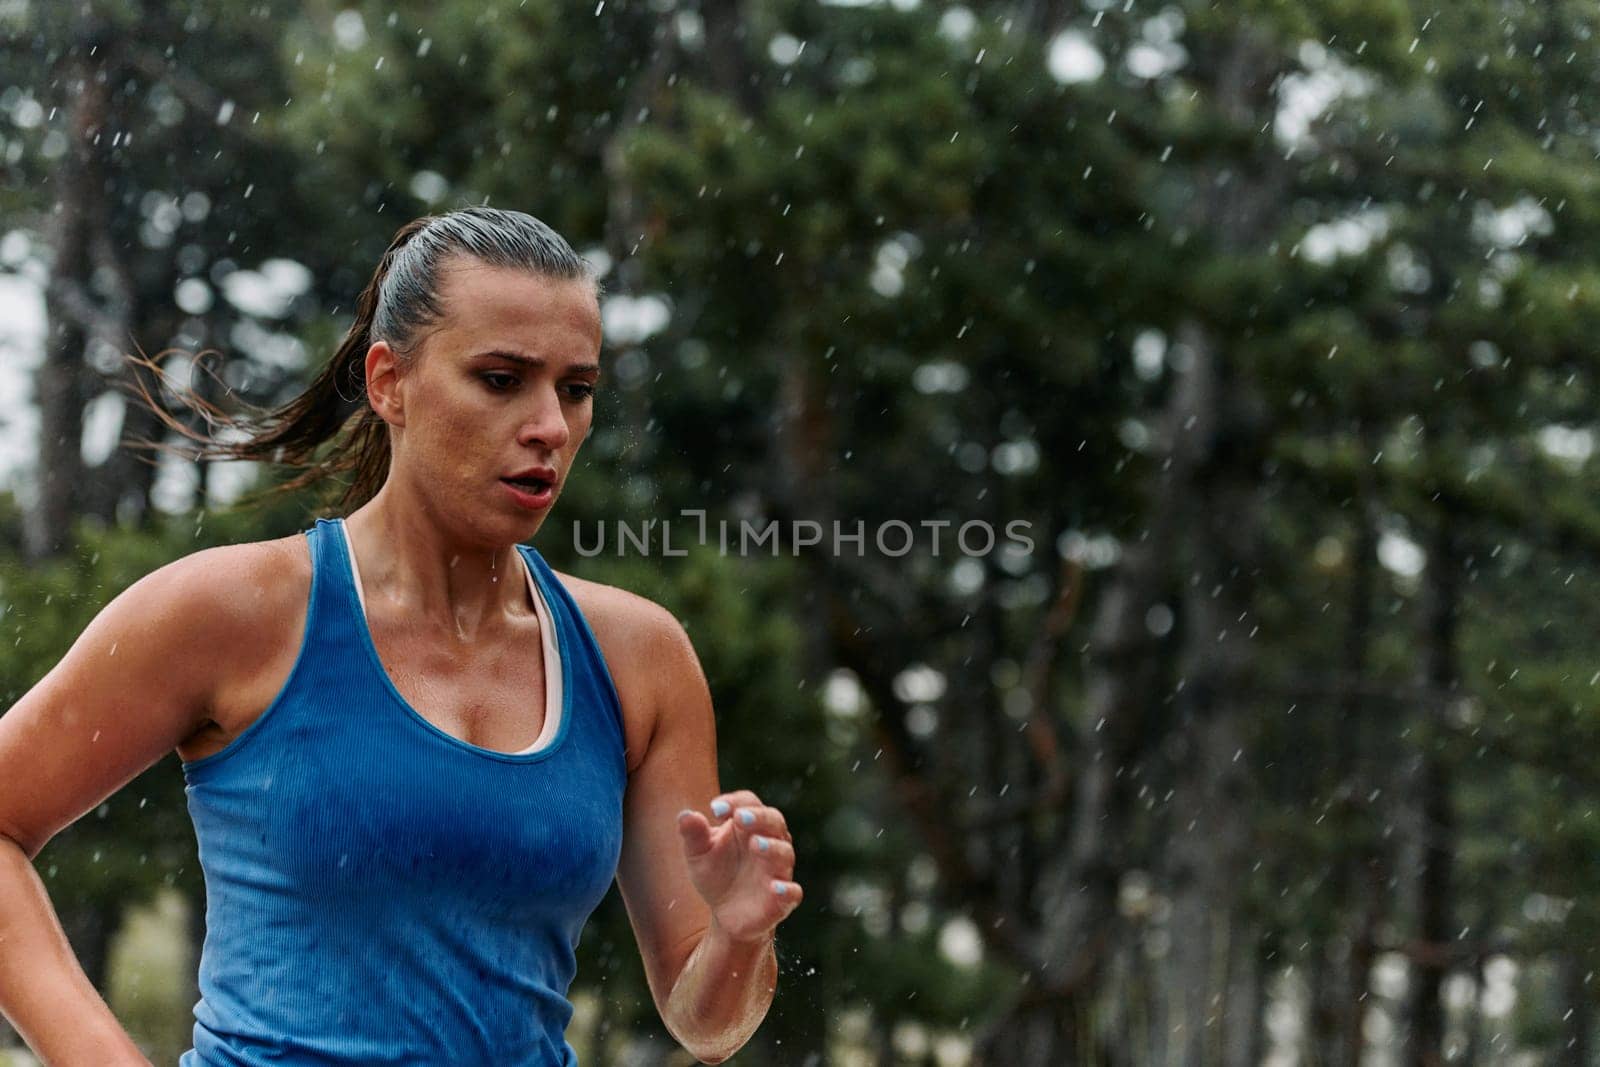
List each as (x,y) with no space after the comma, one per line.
(401,297)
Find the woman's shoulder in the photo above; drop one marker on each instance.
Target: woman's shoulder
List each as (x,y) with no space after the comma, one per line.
(252,578)
(252,598)
(233,580)
(249,599)
(645,647)
(626,616)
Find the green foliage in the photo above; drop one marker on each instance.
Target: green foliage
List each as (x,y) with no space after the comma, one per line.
(981,280)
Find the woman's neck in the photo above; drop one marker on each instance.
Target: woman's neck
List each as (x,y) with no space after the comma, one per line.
(411,564)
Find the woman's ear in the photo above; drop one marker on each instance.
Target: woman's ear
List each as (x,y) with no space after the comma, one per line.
(385,383)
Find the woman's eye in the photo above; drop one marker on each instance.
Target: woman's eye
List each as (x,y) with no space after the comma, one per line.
(501,382)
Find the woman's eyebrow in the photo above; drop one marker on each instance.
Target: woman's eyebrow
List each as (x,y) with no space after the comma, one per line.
(537,361)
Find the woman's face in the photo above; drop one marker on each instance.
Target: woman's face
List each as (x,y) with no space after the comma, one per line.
(501,388)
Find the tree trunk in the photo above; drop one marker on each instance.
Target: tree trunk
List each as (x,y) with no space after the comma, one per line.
(62,378)
(1209,842)
(1472,1021)
(89,927)
(1576,1045)
(625,229)
(1209,838)
(132,469)
(194,925)
(1363,955)
(120,495)
(1359,889)
(1243,1026)
(1435,823)
(1077,892)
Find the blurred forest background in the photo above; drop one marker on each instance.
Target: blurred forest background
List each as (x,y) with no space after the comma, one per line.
(1274,319)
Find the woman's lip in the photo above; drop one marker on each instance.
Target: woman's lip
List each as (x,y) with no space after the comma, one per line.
(527,498)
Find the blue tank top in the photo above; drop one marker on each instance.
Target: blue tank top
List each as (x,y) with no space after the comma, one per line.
(379,891)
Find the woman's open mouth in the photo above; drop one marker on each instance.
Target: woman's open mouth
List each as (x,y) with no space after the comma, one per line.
(529,492)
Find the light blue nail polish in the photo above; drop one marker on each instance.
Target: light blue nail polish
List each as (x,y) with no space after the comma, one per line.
(719,808)
(762,843)
(747,817)
(779,888)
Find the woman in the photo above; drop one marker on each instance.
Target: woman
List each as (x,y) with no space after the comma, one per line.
(411,782)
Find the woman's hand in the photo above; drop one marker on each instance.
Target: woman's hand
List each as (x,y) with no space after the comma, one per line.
(741,861)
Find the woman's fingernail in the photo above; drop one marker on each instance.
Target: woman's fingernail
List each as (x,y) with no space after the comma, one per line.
(719,808)
(779,888)
(747,817)
(761,843)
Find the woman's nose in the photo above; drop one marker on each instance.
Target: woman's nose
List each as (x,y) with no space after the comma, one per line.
(546,424)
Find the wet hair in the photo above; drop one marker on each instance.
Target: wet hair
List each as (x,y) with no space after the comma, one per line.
(397,306)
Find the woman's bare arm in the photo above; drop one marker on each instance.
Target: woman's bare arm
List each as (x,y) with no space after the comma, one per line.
(139,679)
(712,982)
